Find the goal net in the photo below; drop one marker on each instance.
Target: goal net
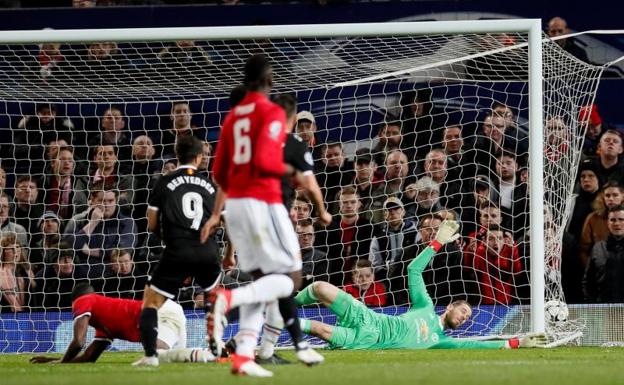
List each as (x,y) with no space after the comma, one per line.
(405,129)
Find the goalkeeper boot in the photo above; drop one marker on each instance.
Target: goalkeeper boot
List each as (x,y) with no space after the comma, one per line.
(147,361)
(309,356)
(217,320)
(245,366)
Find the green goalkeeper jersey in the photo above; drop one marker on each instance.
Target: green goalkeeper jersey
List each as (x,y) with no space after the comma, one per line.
(420,327)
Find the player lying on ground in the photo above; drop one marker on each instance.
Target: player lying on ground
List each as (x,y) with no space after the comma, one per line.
(419,328)
(119,318)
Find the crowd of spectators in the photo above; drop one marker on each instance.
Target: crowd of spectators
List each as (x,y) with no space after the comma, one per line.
(76,208)
(72,218)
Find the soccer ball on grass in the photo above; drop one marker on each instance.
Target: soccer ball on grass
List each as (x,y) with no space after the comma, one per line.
(556,311)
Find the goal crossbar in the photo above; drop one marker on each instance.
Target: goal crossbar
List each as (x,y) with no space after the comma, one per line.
(279,31)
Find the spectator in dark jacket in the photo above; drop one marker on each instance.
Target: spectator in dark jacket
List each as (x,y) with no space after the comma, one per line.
(605,270)
(102,61)
(396,180)
(389,139)
(572,270)
(420,128)
(122,278)
(181,125)
(364,180)
(558,26)
(27,208)
(425,198)
(143,173)
(56,281)
(97,231)
(33,133)
(45,249)
(110,173)
(435,167)
(608,162)
(333,172)
(595,228)
(390,240)
(65,192)
(112,132)
(347,238)
(315,262)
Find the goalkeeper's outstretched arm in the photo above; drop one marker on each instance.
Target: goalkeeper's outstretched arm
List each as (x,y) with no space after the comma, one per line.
(447,232)
(530,341)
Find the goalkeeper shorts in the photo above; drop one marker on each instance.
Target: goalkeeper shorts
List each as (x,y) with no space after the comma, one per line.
(357,327)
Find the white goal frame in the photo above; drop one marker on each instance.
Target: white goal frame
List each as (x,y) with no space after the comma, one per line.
(531,26)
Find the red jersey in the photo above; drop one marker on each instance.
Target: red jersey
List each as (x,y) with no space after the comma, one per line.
(249,162)
(495,274)
(111,317)
(375,295)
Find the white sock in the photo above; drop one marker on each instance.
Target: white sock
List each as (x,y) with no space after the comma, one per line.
(271,330)
(265,289)
(185,355)
(251,320)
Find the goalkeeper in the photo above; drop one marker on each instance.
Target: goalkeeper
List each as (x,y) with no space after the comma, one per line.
(420,327)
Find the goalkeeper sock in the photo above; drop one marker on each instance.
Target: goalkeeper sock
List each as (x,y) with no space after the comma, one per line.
(148,324)
(305,325)
(306,296)
(288,308)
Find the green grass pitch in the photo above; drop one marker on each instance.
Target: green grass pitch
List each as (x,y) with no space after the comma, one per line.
(553,366)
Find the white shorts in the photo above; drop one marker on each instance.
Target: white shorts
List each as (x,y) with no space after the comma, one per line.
(172,325)
(262,235)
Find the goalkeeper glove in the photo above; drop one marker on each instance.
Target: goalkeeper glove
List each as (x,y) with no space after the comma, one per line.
(538,340)
(447,232)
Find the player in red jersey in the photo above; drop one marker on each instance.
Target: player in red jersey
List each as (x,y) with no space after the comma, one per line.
(248,167)
(115,318)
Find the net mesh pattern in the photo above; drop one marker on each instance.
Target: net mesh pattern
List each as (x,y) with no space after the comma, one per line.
(439,122)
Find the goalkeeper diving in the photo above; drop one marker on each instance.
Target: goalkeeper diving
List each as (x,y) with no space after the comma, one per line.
(359,327)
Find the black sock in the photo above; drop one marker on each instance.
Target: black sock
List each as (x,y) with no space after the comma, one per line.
(288,309)
(148,324)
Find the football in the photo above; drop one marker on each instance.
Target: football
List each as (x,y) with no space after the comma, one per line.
(556,311)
